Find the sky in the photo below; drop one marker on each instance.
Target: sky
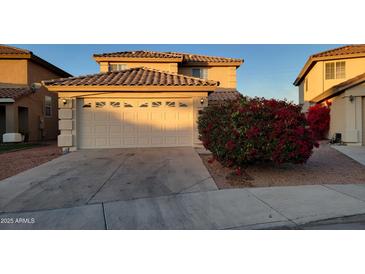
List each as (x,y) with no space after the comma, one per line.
(268,70)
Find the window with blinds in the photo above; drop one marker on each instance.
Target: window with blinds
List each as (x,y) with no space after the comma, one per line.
(335,70)
(340,70)
(117,67)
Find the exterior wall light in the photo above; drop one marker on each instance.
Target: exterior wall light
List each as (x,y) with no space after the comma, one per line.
(202,101)
(35,86)
(64,101)
(351,98)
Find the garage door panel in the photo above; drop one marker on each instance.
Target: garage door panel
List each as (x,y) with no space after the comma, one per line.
(115,141)
(157,140)
(101,142)
(87,116)
(135,123)
(115,129)
(130,141)
(101,129)
(171,140)
(115,117)
(184,140)
(143,141)
(170,115)
(101,115)
(86,130)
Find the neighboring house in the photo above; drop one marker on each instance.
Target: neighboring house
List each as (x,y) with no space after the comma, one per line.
(141,99)
(337,76)
(24,108)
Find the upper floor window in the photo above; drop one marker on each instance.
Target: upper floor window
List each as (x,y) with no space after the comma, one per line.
(335,70)
(117,67)
(47,106)
(199,73)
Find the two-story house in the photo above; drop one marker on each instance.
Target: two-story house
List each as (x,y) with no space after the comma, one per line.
(26,108)
(141,99)
(337,76)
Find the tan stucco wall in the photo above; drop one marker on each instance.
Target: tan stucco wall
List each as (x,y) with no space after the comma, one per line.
(26,72)
(40,127)
(68,112)
(37,73)
(347,116)
(169,67)
(225,75)
(13,71)
(337,114)
(316,77)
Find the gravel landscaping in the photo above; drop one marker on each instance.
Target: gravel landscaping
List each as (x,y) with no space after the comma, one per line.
(326,166)
(14,162)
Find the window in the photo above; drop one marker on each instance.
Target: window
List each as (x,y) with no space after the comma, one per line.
(335,70)
(87,105)
(340,70)
(47,106)
(100,104)
(199,73)
(127,105)
(156,104)
(117,67)
(330,71)
(170,104)
(183,105)
(115,104)
(144,105)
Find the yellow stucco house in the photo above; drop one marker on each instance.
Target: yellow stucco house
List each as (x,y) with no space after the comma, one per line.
(141,99)
(27,108)
(337,75)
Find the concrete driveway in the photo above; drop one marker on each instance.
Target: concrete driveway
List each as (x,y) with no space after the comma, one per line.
(95,176)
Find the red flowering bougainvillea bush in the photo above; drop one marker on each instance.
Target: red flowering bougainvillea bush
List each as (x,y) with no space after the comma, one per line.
(256,130)
(318,117)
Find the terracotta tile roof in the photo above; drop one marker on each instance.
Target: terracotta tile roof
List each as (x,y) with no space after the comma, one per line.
(14,92)
(12,50)
(185,57)
(339,88)
(131,77)
(349,51)
(198,58)
(346,50)
(139,54)
(223,95)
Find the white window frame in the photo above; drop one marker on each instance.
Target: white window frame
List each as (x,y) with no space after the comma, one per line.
(48,105)
(336,73)
(118,66)
(203,73)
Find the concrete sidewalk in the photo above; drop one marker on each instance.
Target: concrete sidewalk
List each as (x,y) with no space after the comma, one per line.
(356,153)
(251,208)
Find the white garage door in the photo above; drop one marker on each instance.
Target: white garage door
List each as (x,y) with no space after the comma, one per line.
(113,123)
